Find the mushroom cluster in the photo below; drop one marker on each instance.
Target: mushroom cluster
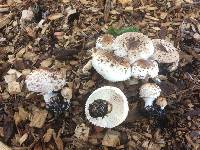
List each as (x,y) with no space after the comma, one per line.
(130,55)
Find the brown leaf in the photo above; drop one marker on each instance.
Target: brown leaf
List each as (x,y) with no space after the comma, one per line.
(38,147)
(8,129)
(5,20)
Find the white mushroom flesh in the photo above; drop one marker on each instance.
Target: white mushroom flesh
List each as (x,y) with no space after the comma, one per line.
(119,104)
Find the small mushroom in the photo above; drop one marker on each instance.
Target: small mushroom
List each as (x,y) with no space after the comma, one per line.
(162,102)
(134,46)
(165,53)
(111,67)
(149,92)
(107,107)
(145,69)
(45,81)
(105,42)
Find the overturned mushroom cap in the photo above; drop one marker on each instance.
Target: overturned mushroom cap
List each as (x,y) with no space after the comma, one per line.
(111,67)
(133,45)
(164,52)
(45,81)
(149,90)
(105,42)
(118,102)
(142,69)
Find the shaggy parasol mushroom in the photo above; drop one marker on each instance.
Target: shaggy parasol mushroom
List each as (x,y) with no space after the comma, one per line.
(105,42)
(107,107)
(134,46)
(111,67)
(145,69)
(165,53)
(47,82)
(149,92)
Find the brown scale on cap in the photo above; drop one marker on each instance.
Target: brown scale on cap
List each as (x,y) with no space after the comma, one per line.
(109,56)
(132,43)
(144,63)
(107,39)
(161,48)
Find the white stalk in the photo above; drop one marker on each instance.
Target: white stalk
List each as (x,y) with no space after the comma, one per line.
(48,96)
(148,101)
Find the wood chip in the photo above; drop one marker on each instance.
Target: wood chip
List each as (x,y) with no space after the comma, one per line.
(82,132)
(111,139)
(48,135)
(55,16)
(5,20)
(22,115)
(23,138)
(4,146)
(38,118)
(14,87)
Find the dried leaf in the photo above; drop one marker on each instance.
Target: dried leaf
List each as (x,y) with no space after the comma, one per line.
(124,2)
(58,141)
(111,139)
(82,132)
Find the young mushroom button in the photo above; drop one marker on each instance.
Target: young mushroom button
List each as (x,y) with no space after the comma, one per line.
(165,53)
(111,67)
(133,45)
(149,92)
(106,107)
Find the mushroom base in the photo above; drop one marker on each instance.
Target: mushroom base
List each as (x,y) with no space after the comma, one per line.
(99,108)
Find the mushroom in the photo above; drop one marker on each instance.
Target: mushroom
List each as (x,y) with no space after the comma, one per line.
(111,67)
(106,107)
(149,92)
(45,81)
(165,53)
(105,42)
(145,69)
(134,46)
(162,102)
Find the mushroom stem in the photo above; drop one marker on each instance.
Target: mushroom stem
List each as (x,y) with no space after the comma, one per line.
(48,96)
(148,101)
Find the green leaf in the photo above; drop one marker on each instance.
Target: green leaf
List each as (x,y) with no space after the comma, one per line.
(116,32)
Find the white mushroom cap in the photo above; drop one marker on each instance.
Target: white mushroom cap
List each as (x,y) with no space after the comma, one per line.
(45,81)
(48,96)
(149,92)
(133,45)
(142,69)
(111,67)
(105,42)
(119,104)
(165,52)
